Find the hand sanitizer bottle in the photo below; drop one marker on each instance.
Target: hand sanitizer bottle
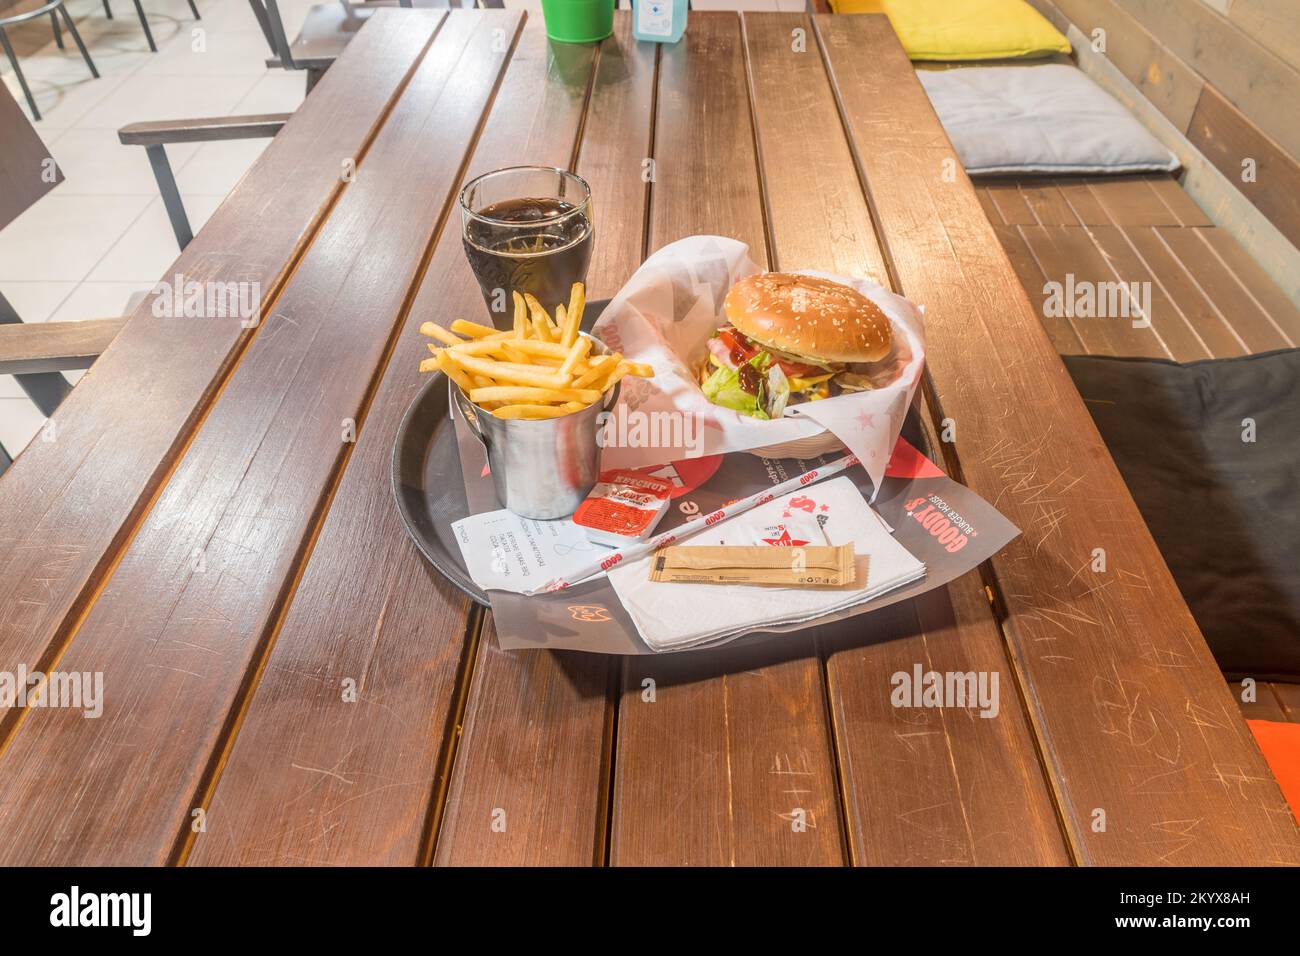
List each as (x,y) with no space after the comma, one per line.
(660,21)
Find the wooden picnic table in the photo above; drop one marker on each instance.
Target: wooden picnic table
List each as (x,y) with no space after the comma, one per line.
(196,524)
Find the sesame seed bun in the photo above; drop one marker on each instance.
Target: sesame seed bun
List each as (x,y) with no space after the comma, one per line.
(809,317)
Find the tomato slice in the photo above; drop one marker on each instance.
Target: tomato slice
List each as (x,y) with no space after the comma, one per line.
(739,347)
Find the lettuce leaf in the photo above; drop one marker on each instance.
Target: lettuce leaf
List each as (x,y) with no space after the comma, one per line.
(723,388)
(778,390)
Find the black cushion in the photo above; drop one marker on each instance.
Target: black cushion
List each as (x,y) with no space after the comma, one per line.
(1225,511)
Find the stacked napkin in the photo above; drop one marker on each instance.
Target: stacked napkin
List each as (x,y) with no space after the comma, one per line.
(672,616)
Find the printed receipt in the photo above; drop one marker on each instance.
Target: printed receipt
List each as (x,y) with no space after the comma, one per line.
(508,553)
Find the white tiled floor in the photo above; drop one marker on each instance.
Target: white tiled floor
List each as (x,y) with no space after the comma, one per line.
(102,237)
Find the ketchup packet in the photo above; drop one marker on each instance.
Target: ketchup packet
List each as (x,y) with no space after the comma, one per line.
(624,507)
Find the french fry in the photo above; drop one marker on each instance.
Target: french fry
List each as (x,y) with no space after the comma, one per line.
(505,373)
(549,349)
(521,316)
(540,368)
(516,393)
(436,331)
(477,347)
(541,321)
(577,302)
(472,329)
(451,371)
(639,369)
(532,411)
(599,367)
(615,377)
(577,350)
(512,354)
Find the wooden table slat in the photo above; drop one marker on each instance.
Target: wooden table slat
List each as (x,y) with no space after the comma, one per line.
(534,718)
(1133,718)
(189,611)
(703,766)
(887,823)
(957,788)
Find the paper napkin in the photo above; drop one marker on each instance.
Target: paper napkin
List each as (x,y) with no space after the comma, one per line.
(672,616)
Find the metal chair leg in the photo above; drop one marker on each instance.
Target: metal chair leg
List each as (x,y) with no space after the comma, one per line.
(76,38)
(18,72)
(264,23)
(45,389)
(58,32)
(171,196)
(108,11)
(195,10)
(144,22)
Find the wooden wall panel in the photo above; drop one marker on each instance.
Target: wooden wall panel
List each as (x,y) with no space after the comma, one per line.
(1226,138)
(1171,85)
(1252,78)
(1273,23)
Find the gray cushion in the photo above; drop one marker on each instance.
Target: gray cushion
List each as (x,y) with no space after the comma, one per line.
(1049,119)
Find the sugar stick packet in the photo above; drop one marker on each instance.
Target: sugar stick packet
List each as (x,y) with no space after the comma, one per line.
(804,566)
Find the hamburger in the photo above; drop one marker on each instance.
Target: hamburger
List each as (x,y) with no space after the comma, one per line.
(789,339)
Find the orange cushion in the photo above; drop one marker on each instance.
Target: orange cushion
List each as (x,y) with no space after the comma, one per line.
(1281,745)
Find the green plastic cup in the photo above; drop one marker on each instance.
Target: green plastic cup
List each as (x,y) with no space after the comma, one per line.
(578,21)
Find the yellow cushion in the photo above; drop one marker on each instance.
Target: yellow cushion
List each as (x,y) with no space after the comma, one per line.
(965,29)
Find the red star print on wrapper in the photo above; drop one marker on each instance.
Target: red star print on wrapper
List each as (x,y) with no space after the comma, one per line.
(785,541)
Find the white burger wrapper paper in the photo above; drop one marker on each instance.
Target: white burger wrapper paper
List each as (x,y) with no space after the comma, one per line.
(666,313)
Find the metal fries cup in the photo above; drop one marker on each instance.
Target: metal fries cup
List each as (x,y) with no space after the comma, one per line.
(541,468)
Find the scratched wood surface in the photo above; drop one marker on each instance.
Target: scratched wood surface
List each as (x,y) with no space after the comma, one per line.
(184,620)
(241,566)
(1146,753)
(701,765)
(69,505)
(533,719)
(959,790)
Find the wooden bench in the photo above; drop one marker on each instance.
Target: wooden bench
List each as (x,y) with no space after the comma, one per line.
(1208,298)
